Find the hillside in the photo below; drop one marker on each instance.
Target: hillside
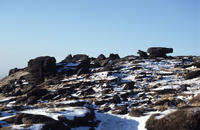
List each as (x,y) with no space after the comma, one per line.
(151,91)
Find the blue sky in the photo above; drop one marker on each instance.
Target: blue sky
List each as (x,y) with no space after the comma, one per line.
(31,28)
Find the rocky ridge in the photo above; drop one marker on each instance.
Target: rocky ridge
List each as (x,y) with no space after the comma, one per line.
(83,92)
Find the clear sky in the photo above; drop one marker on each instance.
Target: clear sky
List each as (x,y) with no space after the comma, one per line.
(31,28)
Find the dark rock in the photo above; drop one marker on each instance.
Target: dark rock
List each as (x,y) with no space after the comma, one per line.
(182,119)
(17,92)
(104,62)
(184,87)
(129,86)
(101,57)
(12,71)
(124,95)
(197,64)
(80,57)
(177,101)
(116,99)
(162,102)
(88,91)
(40,68)
(24,118)
(192,74)
(7,88)
(65,90)
(108,67)
(100,102)
(27,88)
(83,71)
(55,126)
(48,96)
(36,119)
(159,51)
(77,104)
(32,96)
(166,91)
(142,54)
(31,100)
(83,67)
(69,58)
(37,92)
(15,119)
(21,99)
(114,56)
(106,91)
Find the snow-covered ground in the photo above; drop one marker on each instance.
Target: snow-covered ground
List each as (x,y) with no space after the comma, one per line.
(152,80)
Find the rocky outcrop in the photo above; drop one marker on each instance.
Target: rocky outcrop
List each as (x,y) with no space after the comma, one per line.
(113,56)
(40,68)
(159,51)
(75,58)
(82,90)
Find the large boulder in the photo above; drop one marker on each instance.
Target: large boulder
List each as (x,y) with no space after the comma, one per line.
(182,119)
(159,51)
(41,67)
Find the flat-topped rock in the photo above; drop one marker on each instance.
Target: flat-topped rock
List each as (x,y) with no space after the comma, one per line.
(41,67)
(159,51)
